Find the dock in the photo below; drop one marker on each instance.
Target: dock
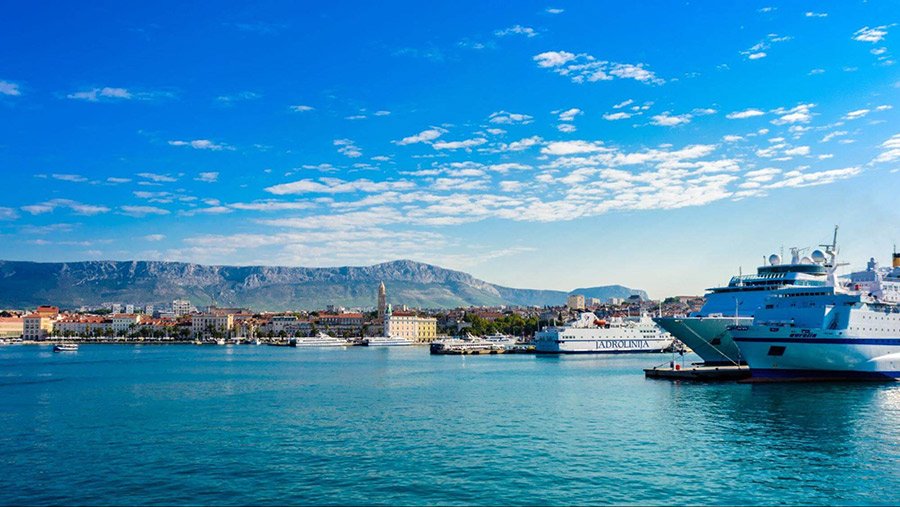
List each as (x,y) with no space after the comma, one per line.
(699,372)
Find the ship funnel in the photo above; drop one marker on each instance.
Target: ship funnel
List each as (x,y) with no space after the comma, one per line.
(896,262)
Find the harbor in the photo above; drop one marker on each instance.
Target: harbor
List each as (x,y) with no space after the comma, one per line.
(331,425)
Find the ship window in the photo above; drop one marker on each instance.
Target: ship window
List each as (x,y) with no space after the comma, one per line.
(776,350)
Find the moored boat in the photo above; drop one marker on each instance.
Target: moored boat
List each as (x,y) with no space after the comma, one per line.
(591,335)
(844,331)
(65,347)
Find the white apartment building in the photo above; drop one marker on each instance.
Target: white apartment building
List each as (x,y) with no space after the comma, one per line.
(575,302)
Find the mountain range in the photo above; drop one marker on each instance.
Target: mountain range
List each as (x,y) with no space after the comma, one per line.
(415,284)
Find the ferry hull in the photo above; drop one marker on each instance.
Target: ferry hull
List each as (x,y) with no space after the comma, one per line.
(784,354)
(708,337)
(603,346)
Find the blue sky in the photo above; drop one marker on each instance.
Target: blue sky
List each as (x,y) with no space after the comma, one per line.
(533,144)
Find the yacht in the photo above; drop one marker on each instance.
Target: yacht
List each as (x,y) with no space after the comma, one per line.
(320,340)
(65,347)
(843,331)
(387,341)
(589,334)
(705,331)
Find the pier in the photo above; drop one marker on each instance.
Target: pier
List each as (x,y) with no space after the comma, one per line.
(699,372)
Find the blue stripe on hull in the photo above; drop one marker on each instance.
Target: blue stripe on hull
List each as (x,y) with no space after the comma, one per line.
(775,375)
(827,341)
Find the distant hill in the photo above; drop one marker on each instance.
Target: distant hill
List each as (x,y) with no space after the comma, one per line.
(72,284)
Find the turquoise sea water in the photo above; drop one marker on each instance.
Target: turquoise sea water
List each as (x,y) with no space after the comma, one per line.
(269,425)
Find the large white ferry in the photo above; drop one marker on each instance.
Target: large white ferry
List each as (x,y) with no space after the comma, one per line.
(846,330)
(320,340)
(705,331)
(388,341)
(589,334)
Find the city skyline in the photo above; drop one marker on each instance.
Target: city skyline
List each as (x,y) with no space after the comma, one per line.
(539,145)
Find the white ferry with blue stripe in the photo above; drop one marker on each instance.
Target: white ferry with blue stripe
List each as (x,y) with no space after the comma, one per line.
(592,335)
(844,331)
(706,331)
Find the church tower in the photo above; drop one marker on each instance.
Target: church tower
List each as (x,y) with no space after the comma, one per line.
(382,301)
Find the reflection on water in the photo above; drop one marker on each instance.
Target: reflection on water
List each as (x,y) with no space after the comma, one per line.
(272,425)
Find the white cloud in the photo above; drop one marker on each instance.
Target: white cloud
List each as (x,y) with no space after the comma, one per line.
(552,59)
(521,144)
(272,205)
(567,128)
(238,97)
(799,150)
(516,30)
(154,237)
(382,113)
(572,147)
(584,67)
(873,35)
(746,113)
(810,14)
(758,50)
(114,180)
(336,186)
(348,148)
(621,115)
(8,214)
(301,108)
(423,137)
(96,94)
(356,117)
(455,145)
(624,103)
(74,178)
(208,177)
(158,178)
(509,166)
(75,206)
(142,211)
(731,138)
(853,115)
(201,144)
(890,150)
(569,114)
(831,135)
(667,120)
(552,10)
(798,114)
(10,89)
(506,118)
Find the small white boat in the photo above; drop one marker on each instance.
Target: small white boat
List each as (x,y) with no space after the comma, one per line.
(388,341)
(65,347)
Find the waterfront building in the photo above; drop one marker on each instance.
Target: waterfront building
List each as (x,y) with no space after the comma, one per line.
(82,325)
(410,325)
(616,301)
(206,325)
(575,302)
(382,301)
(11,327)
(181,307)
(123,322)
(594,302)
(39,325)
(341,323)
